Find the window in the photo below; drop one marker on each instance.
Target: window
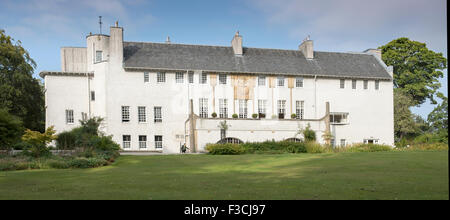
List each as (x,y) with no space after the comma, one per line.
(125,113)
(377,84)
(333,142)
(343,143)
(299,82)
(69,116)
(223,79)
(126,141)
(98,56)
(142,141)
(142,117)
(342,83)
(223,109)
(370,141)
(280,80)
(262,108)
(158,141)
(353,83)
(281,108)
(261,81)
(242,108)
(203,78)
(338,118)
(191,77)
(160,77)
(365,84)
(203,107)
(179,77)
(146,77)
(158,114)
(92,95)
(299,109)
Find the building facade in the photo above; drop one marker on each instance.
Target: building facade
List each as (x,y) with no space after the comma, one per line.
(158,96)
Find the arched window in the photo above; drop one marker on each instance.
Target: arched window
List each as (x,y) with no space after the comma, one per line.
(294,140)
(230,140)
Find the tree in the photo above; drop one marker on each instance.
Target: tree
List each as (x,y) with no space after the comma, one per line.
(20,93)
(10,130)
(403,118)
(38,141)
(438,118)
(416,68)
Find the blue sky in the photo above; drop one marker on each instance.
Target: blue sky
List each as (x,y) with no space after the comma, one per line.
(43,26)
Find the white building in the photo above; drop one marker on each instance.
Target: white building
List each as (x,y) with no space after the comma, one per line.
(144,90)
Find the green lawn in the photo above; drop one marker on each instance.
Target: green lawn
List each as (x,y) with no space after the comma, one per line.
(380,175)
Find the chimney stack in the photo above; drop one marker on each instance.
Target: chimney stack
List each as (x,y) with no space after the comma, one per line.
(236,43)
(375,52)
(307,48)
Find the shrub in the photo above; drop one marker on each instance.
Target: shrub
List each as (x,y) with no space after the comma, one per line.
(214,115)
(293,115)
(10,130)
(425,146)
(309,134)
(66,140)
(366,148)
(314,147)
(81,162)
(224,149)
(38,141)
(254,116)
(234,115)
(274,147)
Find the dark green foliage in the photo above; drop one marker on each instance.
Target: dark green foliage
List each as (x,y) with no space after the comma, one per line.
(224,149)
(66,140)
(416,68)
(20,93)
(214,114)
(10,130)
(309,134)
(254,116)
(234,116)
(81,162)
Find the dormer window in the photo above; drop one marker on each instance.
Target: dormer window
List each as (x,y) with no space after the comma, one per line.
(338,117)
(98,56)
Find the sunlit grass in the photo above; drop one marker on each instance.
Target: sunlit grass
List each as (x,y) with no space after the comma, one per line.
(377,175)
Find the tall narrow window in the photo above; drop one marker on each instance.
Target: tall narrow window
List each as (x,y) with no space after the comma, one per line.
(280,80)
(223,79)
(262,108)
(261,80)
(343,143)
(157,114)
(365,84)
(142,141)
(126,141)
(242,108)
(191,77)
(353,83)
(281,108)
(158,141)
(142,116)
(299,82)
(125,113)
(98,56)
(342,83)
(179,77)
(146,77)
(299,109)
(160,77)
(223,108)
(377,84)
(92,95)
(203,107)
(69,116)
(203,78)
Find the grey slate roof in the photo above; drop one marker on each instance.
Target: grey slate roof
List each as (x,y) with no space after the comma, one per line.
(143,55)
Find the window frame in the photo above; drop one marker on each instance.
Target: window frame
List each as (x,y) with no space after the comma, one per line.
(191,77)
(342,83)
(203,107)
(142,143)
(243,108)
(280,81)
(299,82)
(179,77)
(142,117)
(157,113)
(203,79)
(97,52)
(126,142)
(160,77)
(146,77)
(158,143)
(223,108)
(366,84)
(354,83)
(344,118)
(222,79)
(300,109)
(377,84)
(70,118)
(261,80)
(281,108)
(125,114)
